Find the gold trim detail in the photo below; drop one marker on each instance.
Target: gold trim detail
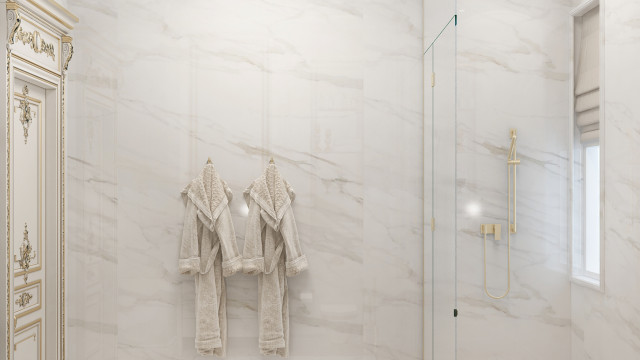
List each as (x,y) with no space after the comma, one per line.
(39,26)
(38,103)
(67,52)
(13,64)
(36,42)
(63,9)
(44,10)
(34,65)
(35,285)
(63,252)
(26,326)
(13,21)
(8,201)
(30,311)
(25,115)
(15,344)
(25,254)
(24,299)
(36,323)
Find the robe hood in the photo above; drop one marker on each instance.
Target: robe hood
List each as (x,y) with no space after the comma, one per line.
(272,193)
(209,193)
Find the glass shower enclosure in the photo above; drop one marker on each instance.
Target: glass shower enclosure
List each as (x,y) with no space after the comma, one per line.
(440,298)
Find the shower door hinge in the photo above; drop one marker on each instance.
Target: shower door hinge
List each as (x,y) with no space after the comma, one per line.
(433,224)
(433,79)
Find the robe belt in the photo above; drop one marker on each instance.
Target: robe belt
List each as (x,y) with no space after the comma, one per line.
(275,259)
(209,224)
(276,254)
(211,259)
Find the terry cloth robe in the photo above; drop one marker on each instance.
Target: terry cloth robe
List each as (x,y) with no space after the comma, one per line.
(209,251)
(272,250)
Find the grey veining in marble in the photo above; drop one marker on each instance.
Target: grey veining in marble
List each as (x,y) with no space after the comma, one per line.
(332,90)
(605,324)
(512,72)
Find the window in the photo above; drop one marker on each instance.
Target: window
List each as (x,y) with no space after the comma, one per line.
(586,242)
(592,211)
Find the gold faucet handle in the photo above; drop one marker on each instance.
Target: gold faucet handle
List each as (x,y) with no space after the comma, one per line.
(495,229)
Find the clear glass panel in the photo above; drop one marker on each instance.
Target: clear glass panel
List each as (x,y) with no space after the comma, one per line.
(440,159)
(592,209)
(577,257)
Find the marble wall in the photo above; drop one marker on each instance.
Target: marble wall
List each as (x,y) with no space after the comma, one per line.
(91,187)
(512,72)
(605,324)
(331,89)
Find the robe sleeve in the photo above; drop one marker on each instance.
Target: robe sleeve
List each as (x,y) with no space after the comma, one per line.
(296,261)
(231,259)
(252,257)
(189,262)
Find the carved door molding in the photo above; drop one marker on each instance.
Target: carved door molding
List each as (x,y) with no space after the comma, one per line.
(38,50)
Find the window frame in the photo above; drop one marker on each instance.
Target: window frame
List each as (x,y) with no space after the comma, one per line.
(578,273)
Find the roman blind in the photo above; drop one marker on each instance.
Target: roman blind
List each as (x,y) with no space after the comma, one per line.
(587,84)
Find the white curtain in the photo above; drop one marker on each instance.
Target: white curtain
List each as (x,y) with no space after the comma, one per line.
(587,85)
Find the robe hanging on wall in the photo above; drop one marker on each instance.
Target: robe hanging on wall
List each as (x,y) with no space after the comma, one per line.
(209,252)
(272,251)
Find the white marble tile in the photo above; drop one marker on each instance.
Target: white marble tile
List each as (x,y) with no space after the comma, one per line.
(512,72)
(605,324)
(313,84)
(91,189)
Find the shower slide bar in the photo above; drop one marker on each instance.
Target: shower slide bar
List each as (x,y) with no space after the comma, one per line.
(495,229)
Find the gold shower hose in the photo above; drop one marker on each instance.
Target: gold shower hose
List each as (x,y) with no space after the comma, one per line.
(511,161)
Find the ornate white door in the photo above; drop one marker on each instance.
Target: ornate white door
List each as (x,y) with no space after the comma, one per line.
(27,177)
(38,50)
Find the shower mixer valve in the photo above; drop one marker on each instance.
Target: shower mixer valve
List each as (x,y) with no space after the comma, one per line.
(495,229)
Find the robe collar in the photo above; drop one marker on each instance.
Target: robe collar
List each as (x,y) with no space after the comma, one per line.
(272,193)
(209,193)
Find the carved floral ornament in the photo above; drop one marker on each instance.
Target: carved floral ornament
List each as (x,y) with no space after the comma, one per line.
(25,113)
(24,299)
(25,254)
(35,41)
(67,51)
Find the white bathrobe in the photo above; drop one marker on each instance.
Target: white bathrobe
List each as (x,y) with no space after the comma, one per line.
(272,249)
(209,251)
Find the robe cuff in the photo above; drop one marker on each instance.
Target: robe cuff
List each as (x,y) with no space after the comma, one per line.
(231,266)
(269,347)
(207,347)
(253,266)
(190,266)
(296,266)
